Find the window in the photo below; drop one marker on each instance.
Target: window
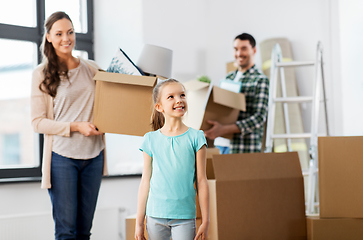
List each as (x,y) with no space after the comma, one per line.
(11,149)
(10,12)
(21,31)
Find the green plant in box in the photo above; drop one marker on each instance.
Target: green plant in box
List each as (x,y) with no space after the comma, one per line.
(204,79)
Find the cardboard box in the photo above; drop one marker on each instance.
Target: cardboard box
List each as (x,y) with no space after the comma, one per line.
(212,103)
(197,93)
(123,103)
(257,196)
(130,227)
(223,106)
(210,174)
(210,170)
(334,228)
(340,177)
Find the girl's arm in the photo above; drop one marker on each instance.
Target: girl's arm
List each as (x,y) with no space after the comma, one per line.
(142,197)
(203,192)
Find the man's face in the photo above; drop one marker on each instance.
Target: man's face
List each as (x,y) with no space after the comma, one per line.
(244,54)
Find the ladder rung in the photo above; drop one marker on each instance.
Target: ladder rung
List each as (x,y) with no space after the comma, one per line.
(294,64)
(306,172)
(292,135)
(316,204)
(294,99)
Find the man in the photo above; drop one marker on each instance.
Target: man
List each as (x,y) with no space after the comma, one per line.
(249,127)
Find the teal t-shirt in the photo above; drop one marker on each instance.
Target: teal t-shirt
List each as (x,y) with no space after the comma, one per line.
(172,192)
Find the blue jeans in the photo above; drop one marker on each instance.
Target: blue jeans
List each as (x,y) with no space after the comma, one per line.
(74,192)
(165,229)
(223,150)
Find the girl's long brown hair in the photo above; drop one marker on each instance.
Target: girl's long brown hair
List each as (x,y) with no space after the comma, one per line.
(157,118)
(53,67)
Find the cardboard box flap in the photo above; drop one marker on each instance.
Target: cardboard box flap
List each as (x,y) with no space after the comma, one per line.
(125,79)
(229,99)
(195,85)
(211,152)
(253,166)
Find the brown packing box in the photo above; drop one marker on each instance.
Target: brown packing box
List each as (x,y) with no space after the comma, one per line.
(257,196)
(210,153)
(222,106)
(216,103)
(197,93)
(210,174)
(340,177)
(130,227)
(123,103)
(334,228)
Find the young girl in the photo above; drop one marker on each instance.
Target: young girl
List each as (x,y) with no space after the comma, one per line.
(62,98)
(174,159)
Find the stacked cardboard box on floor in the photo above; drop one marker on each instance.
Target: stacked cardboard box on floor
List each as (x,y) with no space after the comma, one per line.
(340,190)
(257,196)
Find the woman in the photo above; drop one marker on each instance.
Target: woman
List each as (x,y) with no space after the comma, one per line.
(62,98)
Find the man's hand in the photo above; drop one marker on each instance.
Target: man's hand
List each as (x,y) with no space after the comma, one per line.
(218,130)
(215,131)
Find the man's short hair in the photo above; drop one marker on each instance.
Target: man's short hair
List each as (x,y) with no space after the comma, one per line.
(246,36)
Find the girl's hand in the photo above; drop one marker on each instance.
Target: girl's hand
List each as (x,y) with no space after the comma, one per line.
(139,232)
(86,128)
(202,232)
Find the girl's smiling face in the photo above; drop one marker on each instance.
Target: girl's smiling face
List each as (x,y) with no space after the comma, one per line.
(62,37)
(172,100)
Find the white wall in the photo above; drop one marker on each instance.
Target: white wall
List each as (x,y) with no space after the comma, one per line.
(351,38)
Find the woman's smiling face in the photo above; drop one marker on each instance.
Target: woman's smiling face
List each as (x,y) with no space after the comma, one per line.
(62,37)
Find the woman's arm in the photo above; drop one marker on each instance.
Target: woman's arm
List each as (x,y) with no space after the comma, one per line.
(41,105)
(142,197)
(41,110)
(203,192)
(86,128)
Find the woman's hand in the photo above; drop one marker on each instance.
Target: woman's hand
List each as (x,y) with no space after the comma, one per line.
(86,128)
